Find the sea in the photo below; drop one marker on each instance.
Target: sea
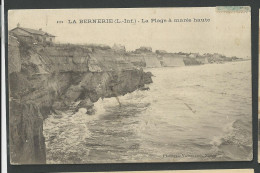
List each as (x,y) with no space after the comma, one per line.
(190,114)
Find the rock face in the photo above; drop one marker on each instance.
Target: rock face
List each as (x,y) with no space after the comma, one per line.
(43,80)
(136,59)
(26,128)
(144,57)
(172,60)
(151,61)
(13,55)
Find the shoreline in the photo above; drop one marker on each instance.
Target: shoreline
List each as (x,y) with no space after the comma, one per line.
(225,62)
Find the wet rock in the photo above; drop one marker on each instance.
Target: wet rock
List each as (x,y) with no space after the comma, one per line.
(91,111)
(148,78)
(87,103)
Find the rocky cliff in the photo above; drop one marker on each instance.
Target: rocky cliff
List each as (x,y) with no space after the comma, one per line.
(43,80)
(161,58)
(172,60)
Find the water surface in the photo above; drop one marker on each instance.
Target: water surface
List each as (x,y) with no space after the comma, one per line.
(195,113)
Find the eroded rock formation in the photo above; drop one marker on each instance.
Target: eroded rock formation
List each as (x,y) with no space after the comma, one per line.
(43,80)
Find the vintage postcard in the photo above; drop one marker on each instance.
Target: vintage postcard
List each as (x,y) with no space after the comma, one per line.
(129,85)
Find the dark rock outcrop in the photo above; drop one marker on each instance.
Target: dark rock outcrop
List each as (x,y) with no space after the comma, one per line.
(43,80)
(27,144)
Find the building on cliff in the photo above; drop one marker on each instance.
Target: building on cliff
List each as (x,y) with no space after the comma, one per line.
(160,51)
(143,49)
(32,35)
(194,55)
(119,48)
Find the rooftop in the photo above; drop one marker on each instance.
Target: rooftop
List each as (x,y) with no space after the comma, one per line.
(33,31)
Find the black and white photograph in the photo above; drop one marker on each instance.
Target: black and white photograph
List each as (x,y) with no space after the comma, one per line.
(129,85)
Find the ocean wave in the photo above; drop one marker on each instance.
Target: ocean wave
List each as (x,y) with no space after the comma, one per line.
(237,143)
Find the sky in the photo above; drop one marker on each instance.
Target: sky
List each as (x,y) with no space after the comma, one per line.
(226,33)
